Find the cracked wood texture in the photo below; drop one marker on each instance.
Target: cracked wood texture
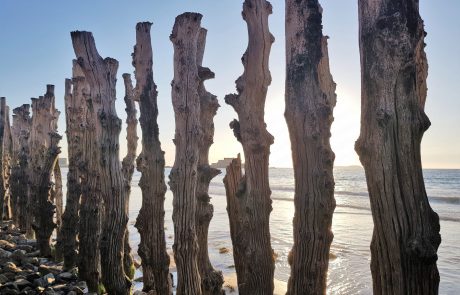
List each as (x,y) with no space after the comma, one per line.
(56,195)
(6,151)
(105,162)
(183,177)
(394,70)
(128,164)
(151,163)
(75,106)
(19,175)
(254,263)
(211,279)
(310,99)
(84,150)
(43,157)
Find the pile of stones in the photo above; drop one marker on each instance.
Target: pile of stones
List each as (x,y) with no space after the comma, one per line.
(23,271)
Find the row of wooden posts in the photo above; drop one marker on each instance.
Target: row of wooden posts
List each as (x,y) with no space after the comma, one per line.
(94,223)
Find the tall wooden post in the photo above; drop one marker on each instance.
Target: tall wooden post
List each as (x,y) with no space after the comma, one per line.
(310,99)
(151,163)
(75,111)
(183,177)
(211,279)
(394,70)
(251,236)
(19,172)
(105,162)
(128,164)
(86,181)
(6,151)
(43,156)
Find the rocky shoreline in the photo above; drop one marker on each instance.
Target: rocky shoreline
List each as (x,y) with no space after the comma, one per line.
(24,271)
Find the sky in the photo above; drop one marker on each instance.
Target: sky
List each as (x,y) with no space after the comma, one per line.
(36,49)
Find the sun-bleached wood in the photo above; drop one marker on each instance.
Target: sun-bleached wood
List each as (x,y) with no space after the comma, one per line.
(6,151)
(57,195)
(252,239)
(43,156)
(75,106)
(19,171)
(211,279)
(128,163)
(310,100)
(105,162)
(151,163)
(183,177)
(394,69)
(87,187)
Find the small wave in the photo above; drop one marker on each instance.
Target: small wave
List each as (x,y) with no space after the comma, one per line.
(448,200)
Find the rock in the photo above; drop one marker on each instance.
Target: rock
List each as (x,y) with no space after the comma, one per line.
(22,283)
(49,279)
(61,288)
(11,267)
(19,256)
(33,276)
(3,279)
(7,245)
(44,269)
(26,248)
(5,253)
(77,290)
(66,276)
(34,254)
(82,285)
(40,283)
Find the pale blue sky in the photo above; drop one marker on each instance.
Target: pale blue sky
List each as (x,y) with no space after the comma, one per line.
(35,50)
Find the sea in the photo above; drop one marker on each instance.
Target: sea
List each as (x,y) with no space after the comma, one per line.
(349,266)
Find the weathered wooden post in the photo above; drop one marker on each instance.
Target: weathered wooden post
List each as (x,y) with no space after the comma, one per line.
(75,110)
(128,164)
(57,195)
(6,151)
(211,279)
(19,175)
(251,234)
(101,76)
(83,155)
(43,156)
(183,177)
(310,99)
(394,71)
(151,163)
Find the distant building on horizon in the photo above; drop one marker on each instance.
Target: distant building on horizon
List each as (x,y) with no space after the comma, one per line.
(222,164)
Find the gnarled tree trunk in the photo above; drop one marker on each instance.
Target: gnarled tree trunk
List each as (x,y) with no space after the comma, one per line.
(394,71)
(101,76)
(19,175)
(151,163)
(128,164)
(183,177)
(211,279)
(6,158)
(310,99)
(43,156)
(75,110)
(254,263)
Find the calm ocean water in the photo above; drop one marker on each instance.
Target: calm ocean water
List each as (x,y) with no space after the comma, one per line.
(349,269)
